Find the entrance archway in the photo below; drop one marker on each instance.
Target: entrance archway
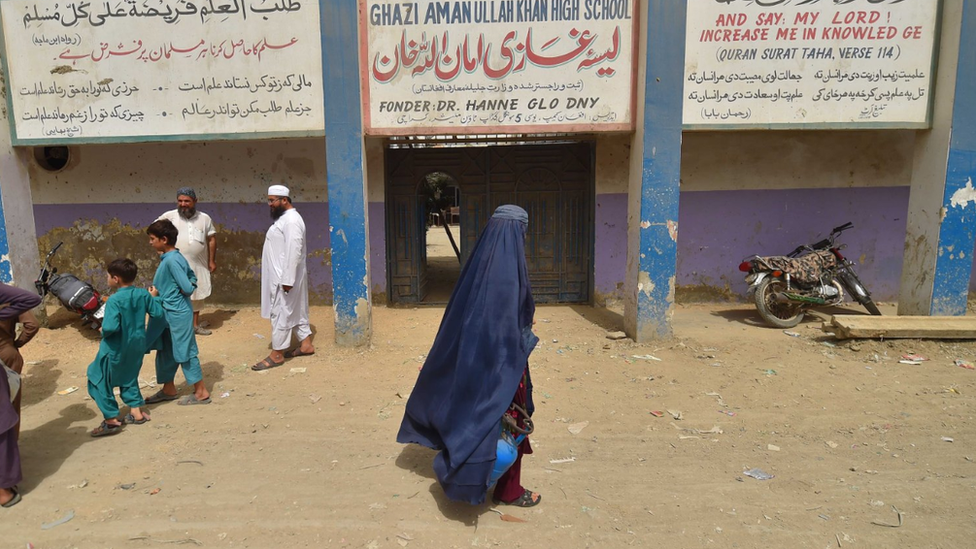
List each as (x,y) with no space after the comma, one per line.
(554,182)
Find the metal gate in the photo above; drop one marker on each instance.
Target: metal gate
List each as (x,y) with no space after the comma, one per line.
(553,182)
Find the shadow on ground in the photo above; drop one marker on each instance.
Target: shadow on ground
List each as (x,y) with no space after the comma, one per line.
(216,319)
(605,318)
(45,448)
(41,381)
(62,318)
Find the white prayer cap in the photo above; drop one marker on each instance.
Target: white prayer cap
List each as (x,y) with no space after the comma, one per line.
(278,190)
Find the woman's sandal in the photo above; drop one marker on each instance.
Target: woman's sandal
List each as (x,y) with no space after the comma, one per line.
(525,500)
(107,429)
(13,500)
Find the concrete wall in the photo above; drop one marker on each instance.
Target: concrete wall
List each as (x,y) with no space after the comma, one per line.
(100,204)
(744,193)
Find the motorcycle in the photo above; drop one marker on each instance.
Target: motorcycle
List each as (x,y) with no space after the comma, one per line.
(812,275)
(76,295)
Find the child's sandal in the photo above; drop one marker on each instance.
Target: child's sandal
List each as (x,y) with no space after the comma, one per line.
(106,429)
(131,419)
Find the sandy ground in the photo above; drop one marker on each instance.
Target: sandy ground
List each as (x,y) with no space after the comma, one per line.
(857,443)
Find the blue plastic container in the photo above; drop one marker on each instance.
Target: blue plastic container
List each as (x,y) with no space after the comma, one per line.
(505,456)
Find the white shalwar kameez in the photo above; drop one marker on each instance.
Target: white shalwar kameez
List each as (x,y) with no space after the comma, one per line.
(283,264)
(192,244)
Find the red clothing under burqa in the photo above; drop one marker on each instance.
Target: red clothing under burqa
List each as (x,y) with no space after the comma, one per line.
(509,487)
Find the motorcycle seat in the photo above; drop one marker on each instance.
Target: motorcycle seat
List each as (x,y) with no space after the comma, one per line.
(805,270)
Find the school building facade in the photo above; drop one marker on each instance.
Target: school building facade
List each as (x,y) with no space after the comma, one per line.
(715,131)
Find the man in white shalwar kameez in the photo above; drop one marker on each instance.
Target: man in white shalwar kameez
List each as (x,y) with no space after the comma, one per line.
(284,281)
(197,243)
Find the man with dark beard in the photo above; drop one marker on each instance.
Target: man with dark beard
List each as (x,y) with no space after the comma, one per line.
(197,242)
(284,281)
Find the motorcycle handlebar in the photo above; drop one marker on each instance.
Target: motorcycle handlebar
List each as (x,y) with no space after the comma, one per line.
(54,249)
(843,227)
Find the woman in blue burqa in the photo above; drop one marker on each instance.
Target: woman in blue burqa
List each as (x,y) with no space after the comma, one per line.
(477,367)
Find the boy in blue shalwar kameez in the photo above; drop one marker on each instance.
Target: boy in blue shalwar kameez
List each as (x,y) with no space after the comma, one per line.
(122,349)
(172,336)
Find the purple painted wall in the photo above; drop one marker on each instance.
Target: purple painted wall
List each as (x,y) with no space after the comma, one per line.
(610,250)
(718,229)
(240,236)
(377,247)
(231,218)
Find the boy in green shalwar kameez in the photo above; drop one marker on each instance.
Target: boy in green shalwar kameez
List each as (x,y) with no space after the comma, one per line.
(173,335)
(122,349)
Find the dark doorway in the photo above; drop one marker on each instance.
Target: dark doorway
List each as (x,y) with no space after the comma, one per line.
(442,256)
(553,182)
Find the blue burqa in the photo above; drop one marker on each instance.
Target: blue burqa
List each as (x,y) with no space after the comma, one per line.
(477,360)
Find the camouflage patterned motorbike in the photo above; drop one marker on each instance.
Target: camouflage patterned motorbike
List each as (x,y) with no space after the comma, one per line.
(812,275)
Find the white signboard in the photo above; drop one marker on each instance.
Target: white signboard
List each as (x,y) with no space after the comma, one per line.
(828,63)
(497,66)
(145,70)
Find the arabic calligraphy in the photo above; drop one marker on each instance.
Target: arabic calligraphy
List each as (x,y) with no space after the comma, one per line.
(89,115)
(874,94)
(749,78)
(436,52)
(727,114)
(879,75)
(498,87)
(506,117)
(89,89)
(253,108)
(57,40)
(267,82)
(202,49)
(724,96)
(76,13)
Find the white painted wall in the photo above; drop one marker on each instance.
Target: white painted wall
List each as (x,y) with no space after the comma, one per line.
(739,160)
(225,171)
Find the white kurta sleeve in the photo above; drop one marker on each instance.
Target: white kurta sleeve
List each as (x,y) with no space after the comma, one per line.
(294,244)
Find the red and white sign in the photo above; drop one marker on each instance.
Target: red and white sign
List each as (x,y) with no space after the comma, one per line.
(497,66)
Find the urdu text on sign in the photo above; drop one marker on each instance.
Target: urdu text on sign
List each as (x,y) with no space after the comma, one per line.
(497,66)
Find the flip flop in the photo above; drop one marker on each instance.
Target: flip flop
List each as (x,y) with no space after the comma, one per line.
(190,400)
(266,364)
(14,500)
(106,429)
(160,396)
(525,500)
(131,419)
(297,352)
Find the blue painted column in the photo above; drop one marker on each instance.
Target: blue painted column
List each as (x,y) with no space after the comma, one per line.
(6,276)
(346,181)
(655,170)
(957,234)
(941,224)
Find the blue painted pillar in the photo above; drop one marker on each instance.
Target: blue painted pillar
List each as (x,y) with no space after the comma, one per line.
(6,276)
(346,181)
(957,234)
(941,227)
(655,170)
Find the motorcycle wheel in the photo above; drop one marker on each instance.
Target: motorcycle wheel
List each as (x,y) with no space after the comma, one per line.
(859,292)
(775,313)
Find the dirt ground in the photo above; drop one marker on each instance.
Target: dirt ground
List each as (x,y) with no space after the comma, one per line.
(864,451)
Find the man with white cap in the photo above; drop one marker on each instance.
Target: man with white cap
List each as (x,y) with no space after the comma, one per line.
(284,281)
(197,242)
